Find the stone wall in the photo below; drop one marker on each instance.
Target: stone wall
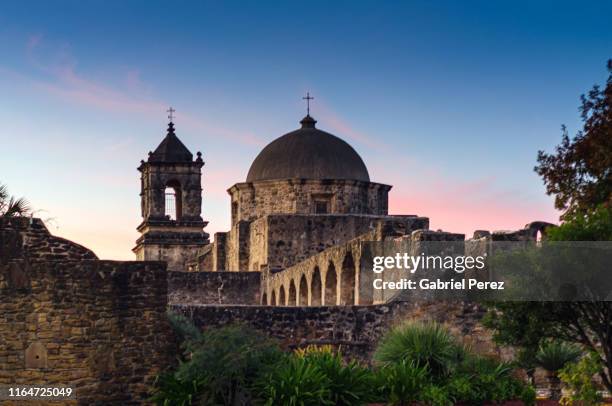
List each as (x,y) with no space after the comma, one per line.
(28,238)
(99,326)
(298,196)
(237,288)
(354,329)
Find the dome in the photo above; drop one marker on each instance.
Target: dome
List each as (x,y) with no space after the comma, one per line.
(308,153)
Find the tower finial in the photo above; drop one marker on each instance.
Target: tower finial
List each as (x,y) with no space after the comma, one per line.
(170,113)
(308,98)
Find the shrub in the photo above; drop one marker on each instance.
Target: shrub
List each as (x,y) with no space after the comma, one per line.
(349,383)
(578,377)
(218,366)
(296,382)
(481,379)
(553,355)
(426,344)
(401,383)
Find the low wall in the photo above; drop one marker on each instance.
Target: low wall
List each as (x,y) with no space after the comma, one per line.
(354,329)
(99,326)
(238,288)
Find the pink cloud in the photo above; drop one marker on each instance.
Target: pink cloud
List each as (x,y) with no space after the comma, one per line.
(65,83)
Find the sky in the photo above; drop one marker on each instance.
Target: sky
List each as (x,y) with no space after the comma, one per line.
(449,102)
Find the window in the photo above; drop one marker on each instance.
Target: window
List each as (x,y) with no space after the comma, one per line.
(321,207)
(173,207)
(170,203)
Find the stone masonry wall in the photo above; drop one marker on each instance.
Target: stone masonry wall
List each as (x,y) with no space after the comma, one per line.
(237,288)
(354,329)
(297,196)
(99,326)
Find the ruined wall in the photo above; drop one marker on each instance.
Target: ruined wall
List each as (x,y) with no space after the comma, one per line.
(238,288)
(297,196)
(22,237)
(99,326)
(354,329)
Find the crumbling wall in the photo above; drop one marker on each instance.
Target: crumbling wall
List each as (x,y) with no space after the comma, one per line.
(239,288)
(99,326)
(355,330)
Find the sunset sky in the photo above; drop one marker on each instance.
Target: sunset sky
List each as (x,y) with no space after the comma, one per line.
(447,101)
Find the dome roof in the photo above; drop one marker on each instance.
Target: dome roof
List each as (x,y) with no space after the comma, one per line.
(308,153)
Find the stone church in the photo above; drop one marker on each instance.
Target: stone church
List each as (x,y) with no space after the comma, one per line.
(298,219)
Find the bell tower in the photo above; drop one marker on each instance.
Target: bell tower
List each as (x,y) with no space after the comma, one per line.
(172,229)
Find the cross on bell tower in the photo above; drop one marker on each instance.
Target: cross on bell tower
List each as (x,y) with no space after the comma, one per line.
(171,112)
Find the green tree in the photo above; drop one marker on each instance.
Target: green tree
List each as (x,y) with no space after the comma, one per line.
(11,206)
(579,173)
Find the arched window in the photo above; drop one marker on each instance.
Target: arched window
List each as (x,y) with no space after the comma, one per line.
(316,287)
(347,281)
(331,286)
(303,298)
(173,200)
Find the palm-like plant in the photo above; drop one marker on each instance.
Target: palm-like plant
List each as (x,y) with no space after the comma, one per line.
(11,206)
(430,345)
(553,356)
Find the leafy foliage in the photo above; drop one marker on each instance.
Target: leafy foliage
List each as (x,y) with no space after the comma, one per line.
(578,378)
(579,173)
(219,366)
(553,355)
(401,383)
(11,206)
(426,344)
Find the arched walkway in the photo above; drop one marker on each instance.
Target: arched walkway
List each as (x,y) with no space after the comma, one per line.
(315,288)
(347,281)
(331,286)
(292,296)
(282,297)
(366,277)
(264,299)
(303,298)
(273,301)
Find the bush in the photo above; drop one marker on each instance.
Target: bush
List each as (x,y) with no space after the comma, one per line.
(297,382)
(219,366)
(426,344)
(319,376)
(481,379)
(401,383)
(553,355)
(578,377)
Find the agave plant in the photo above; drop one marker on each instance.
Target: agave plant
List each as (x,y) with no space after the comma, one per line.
(11,206)
(553,356)
(430,345)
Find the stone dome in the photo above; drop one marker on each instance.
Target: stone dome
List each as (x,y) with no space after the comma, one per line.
(308,153)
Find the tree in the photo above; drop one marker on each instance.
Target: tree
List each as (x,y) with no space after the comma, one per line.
(11,206)
(579,173)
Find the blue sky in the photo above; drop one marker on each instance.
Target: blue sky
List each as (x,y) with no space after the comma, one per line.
(447,101)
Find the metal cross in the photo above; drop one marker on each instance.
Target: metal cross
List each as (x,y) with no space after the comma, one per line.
(308,99)
(170,113)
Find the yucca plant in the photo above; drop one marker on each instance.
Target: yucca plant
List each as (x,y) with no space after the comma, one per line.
(350,383)
(553,356)
(11,206)
(401,383)
(429,345)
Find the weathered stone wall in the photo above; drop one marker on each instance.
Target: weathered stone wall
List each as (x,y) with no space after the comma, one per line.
(237,288)
(354,329)
(297,196)
(99,326)
(28,238)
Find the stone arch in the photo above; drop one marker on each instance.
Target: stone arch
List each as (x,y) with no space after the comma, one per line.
(292,296)
(173,200)
(282,297)
(315,288)
(264,299)
(347,280)
(303,292)
(366,276)
(273,301)
(331,286)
